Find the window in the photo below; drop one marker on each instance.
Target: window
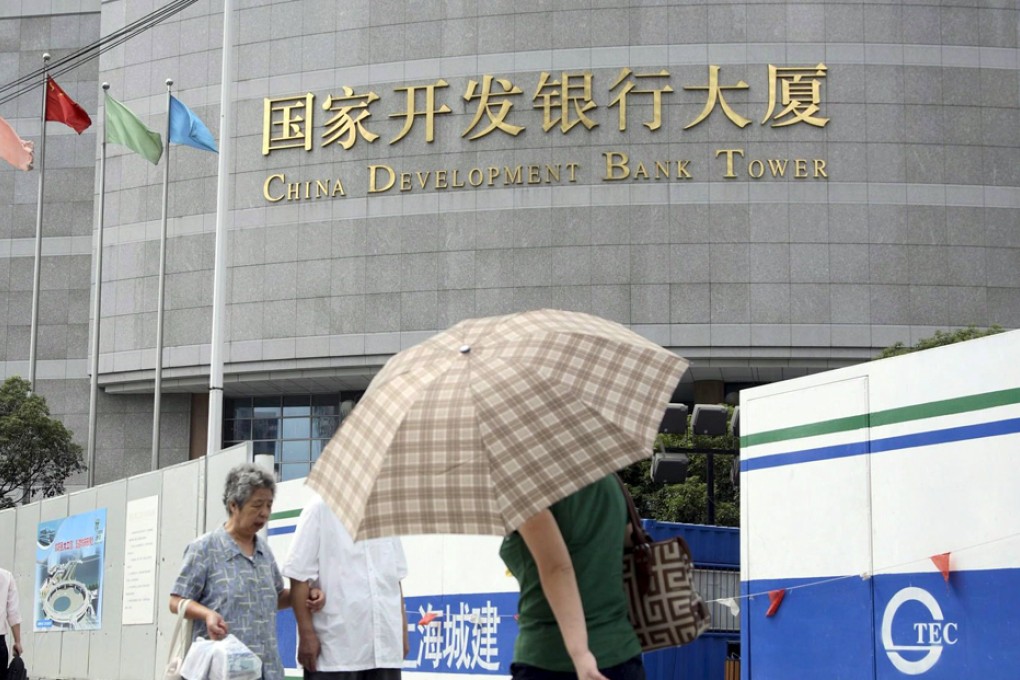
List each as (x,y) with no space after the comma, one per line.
(293,428)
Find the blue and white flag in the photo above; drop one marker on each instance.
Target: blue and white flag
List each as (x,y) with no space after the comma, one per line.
(188,129)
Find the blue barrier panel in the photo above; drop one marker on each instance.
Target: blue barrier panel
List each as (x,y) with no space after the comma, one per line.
(703,659)
(711,547)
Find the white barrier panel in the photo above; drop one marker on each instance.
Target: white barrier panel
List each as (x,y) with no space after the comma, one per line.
(115,650)
(880,501)
(460,599)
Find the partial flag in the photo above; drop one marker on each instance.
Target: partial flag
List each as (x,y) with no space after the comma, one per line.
(124,128)
(188,129)
(775,601)
(942,562)
(62,109)
(13,149)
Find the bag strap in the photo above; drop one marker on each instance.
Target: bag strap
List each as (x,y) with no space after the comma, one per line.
(638,535)
(182,609)
(640,543)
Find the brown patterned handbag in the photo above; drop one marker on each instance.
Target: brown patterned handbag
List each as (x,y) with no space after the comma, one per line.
(665,609)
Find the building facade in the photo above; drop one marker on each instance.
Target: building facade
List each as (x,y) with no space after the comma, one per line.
(770,189)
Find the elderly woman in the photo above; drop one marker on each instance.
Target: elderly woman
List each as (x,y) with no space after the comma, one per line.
(231,577)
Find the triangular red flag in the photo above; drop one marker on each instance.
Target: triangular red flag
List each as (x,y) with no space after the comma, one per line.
(428,618)
(942,562)
(62,109)
(775,599)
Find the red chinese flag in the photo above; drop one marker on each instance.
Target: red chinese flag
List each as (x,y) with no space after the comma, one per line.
(62,109)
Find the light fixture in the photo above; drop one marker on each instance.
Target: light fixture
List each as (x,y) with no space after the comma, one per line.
(709,419)
(674,421)
(669,468)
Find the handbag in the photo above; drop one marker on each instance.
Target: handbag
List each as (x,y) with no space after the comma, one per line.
(665,608)
(16,671)
(179,643)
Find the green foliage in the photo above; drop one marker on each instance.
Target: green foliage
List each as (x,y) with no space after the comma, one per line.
(688,502)
(37,452)
(939,339)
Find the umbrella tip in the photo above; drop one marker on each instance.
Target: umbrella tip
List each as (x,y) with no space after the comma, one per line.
(465,349)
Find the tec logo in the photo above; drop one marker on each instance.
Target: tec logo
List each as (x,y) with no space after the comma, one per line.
(930,634)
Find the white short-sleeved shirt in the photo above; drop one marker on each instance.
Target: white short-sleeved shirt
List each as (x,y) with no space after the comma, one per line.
(361,626)
(9,601)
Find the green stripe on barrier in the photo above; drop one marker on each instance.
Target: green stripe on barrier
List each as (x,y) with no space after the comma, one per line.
(812,430)
(285,514)
(902,414)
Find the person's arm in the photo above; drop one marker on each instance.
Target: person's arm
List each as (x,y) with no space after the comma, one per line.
(283,599)
(308,640)
(314,598)
(196,611)
(556,572)
(403,622)
(12,615)
(303,554)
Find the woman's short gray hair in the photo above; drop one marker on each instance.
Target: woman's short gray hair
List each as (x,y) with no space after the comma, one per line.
(243,480)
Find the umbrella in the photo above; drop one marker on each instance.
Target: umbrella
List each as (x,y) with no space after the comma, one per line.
(485,424)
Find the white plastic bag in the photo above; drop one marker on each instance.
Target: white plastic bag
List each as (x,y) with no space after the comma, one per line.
(226,659)
(196,663)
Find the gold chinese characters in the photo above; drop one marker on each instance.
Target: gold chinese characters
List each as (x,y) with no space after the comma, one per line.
(566,101)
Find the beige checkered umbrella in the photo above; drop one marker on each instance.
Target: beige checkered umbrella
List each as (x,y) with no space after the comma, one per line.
(480,427)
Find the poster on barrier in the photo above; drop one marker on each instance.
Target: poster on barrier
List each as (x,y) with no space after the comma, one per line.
(69,572)
(141,549)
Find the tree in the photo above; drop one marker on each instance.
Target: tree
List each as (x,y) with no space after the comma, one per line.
(688,501)
(37,452)
(939,339)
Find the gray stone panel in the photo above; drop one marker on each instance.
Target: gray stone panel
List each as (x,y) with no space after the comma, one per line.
(647,302)
(914,229)
(770,303)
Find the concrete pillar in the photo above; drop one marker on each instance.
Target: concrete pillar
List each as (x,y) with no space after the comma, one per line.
(709,391)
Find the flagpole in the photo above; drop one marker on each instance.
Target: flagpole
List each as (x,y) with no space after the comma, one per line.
(158,389)
(214,434)
(97,306)
(37,268)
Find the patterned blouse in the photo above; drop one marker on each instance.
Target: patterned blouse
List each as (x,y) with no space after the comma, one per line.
(242,589)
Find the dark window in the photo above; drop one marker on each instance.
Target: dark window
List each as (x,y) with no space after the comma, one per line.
(293,428)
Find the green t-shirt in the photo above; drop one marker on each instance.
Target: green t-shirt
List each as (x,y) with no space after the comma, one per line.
(593,521)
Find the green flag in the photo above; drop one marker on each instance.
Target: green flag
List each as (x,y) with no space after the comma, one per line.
(123,127)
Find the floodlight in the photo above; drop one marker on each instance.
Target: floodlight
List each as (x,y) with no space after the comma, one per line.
(709,419)
(669,468)
(675,419)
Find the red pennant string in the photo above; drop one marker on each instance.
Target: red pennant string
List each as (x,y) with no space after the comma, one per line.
(428,618)
(942,562)
(775,599)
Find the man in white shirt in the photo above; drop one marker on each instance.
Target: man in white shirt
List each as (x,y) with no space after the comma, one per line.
(361,633)
(12,618)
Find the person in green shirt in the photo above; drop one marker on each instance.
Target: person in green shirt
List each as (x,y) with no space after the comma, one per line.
(572,613)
